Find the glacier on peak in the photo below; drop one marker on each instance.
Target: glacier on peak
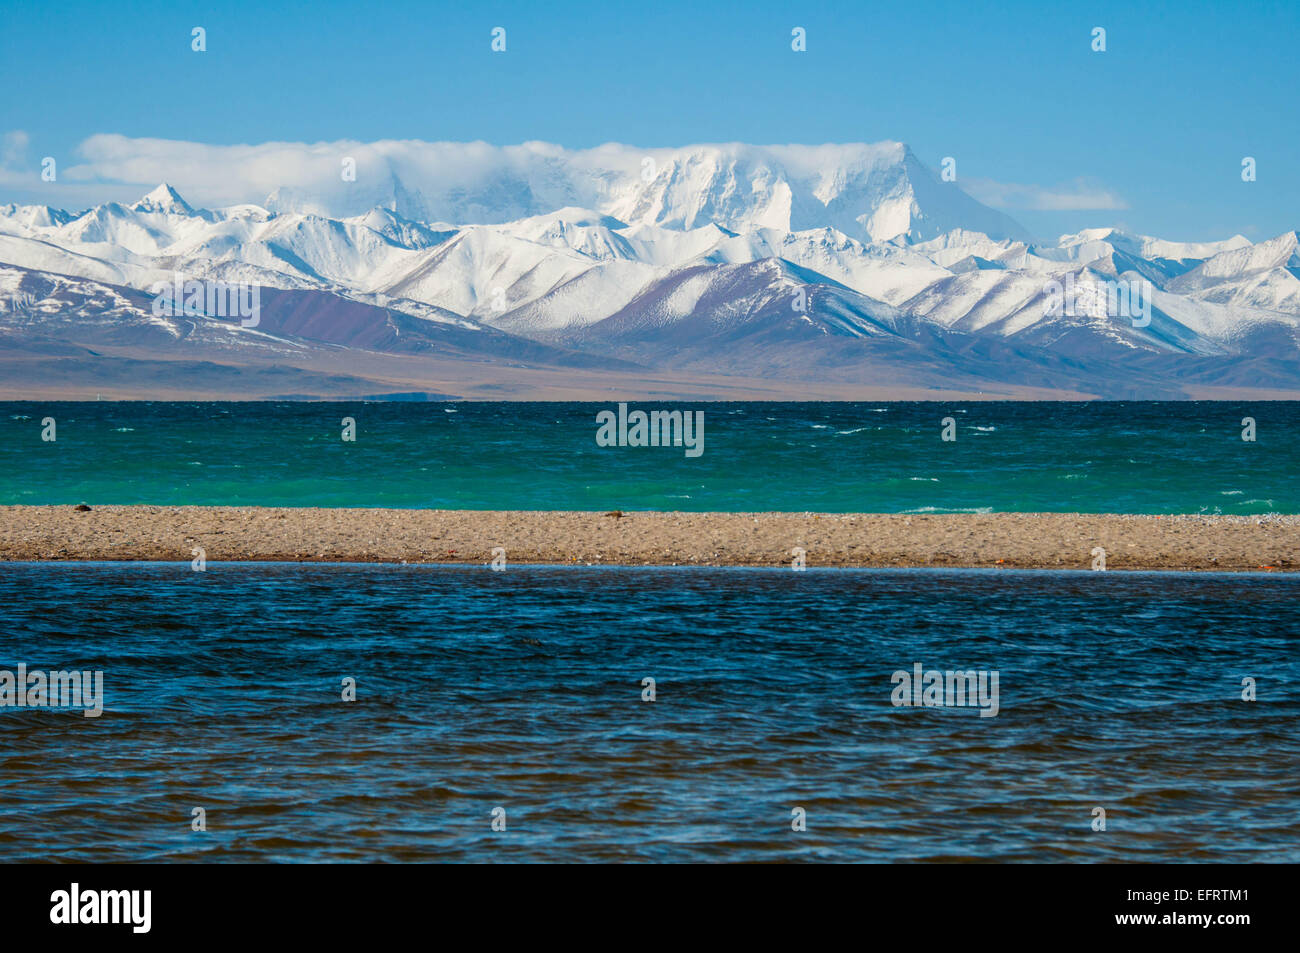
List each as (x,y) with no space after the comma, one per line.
(872,192)
(164,198)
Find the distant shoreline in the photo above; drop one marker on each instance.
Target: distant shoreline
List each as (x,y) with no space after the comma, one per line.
(311,534)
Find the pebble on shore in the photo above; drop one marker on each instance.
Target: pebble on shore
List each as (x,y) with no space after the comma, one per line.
(995,540)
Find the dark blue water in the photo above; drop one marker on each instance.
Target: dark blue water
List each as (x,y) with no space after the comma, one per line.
(1181,457)
(523,690)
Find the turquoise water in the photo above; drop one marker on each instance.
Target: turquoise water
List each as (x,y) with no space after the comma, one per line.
(1144,457)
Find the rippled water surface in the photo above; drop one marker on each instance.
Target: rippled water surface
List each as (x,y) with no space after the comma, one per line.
(523,690)
(1113,457)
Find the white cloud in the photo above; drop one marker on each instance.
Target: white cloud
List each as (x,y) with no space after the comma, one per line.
(13,147)
(1078,195)
(433,181)
(464,182)
(308,177)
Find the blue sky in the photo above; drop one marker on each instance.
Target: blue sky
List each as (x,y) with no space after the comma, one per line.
(1151,133)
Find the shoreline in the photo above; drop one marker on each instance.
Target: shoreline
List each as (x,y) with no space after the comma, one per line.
(638,538)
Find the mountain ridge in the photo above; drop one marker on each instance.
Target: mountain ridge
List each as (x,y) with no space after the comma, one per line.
(704,263)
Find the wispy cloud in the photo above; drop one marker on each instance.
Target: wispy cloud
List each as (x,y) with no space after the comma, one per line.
(13,147)
(1075,196)
(341,177)
(307,177)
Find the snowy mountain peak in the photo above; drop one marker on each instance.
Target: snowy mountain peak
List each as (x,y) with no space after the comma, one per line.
(163,199)
(35,216)
(869,191)
(729,254)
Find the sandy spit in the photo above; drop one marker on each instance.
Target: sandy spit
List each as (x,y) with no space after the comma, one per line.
(1019,540)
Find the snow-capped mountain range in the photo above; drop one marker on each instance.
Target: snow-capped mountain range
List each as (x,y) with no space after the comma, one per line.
(852,266)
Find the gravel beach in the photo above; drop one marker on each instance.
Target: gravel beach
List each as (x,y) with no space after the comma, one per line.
(1021,540)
